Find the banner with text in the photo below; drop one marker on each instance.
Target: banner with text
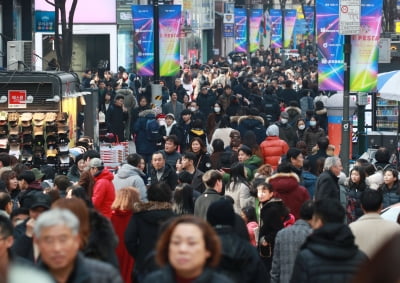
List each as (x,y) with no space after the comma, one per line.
(240,30)
(309,17)
(169,28)
(256,16)
(276,28)
(364,48)
(143,26)
(290,20)
(329,46)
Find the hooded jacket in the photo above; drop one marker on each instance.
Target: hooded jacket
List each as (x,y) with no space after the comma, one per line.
(129,175)
(252,123)
(286,186)
(143,145)
(103,192)
(328,255)
(272,149)
(143,228)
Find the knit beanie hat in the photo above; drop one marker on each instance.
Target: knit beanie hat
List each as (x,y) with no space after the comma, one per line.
(272,130)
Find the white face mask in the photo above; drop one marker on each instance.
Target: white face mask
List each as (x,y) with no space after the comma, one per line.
(217,109)
(284,121)
(302,127)
(313,123)
(192,109)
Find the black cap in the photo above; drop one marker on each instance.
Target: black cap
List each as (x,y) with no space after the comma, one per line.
(34,199)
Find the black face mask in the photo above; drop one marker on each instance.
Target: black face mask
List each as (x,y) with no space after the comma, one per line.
(220,90)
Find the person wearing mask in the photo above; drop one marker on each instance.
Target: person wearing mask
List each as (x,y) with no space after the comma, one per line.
(312,134)
(214,120)
(286,132)
(300,129)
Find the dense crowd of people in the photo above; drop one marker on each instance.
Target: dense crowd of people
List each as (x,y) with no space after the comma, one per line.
(233,180)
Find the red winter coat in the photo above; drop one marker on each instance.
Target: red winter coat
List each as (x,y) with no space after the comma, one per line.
(120,220)
(286,187)
(272,149)
(103,192)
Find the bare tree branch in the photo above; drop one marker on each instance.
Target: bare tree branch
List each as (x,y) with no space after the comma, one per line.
(50,3)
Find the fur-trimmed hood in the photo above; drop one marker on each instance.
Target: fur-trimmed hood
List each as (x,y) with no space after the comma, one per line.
(147,112)
(235,119)
(258,118)
(284,182)
(151,205)
(293,109)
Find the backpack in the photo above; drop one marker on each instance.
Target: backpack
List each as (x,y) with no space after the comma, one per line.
(306,103)
(152,128)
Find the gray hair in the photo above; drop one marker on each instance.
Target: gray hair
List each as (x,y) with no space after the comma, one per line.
(56,217)
(330,162)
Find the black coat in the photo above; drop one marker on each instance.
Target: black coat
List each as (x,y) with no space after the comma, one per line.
(143,229)
(240,260)
(116,119)
(328,255)
(167,275)
(327,186)
(169,176)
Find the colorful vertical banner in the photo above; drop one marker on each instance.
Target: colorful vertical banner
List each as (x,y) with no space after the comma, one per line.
(276,28)
(240,30)
(169,29)
(256,16)
(364,48)
(330,46)
(143,25)
(290,20)
(309,18)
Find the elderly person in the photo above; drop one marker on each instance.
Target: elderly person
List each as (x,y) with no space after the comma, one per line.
(327,183)
(58,240)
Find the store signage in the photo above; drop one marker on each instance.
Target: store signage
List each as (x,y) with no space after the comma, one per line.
(44,21)
(17,99)
(228,30)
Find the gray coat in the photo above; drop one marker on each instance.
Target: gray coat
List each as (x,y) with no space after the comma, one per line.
(129,175)
(287,244)
(204,201)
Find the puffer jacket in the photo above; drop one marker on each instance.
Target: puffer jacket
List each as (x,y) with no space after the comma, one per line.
(143,145)
(286,186)
(129,175)
(329,255)
(103,192)
(390,196)
(272,149)
(252,123)
(311,136)
(167,275)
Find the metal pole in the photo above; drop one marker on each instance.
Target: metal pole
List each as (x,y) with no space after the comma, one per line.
(156,43)
(362,145)
(345,147)
(283,4)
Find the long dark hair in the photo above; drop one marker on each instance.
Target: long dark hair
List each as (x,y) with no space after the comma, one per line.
(183,202)
(237,176)
(362,184)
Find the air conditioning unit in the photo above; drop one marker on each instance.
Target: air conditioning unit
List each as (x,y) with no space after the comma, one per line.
(19,55)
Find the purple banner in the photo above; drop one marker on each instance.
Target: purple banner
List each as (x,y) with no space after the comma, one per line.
(290,20)
(169,29)
(240,30)
(309,18)
(364,53)
(330,46)
(276,28)
(255,23)
(143,26)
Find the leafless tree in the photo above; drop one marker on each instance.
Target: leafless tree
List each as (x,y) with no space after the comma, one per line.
(63,43)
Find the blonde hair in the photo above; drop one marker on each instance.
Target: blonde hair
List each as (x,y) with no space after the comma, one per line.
(125,199)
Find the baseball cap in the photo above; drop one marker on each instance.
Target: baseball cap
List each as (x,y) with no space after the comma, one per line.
(35,199)
(96,163)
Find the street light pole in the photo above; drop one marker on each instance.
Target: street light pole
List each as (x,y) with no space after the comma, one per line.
(283,5)
(156,43)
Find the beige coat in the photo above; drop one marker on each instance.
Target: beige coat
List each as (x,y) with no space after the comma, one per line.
(371,231)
